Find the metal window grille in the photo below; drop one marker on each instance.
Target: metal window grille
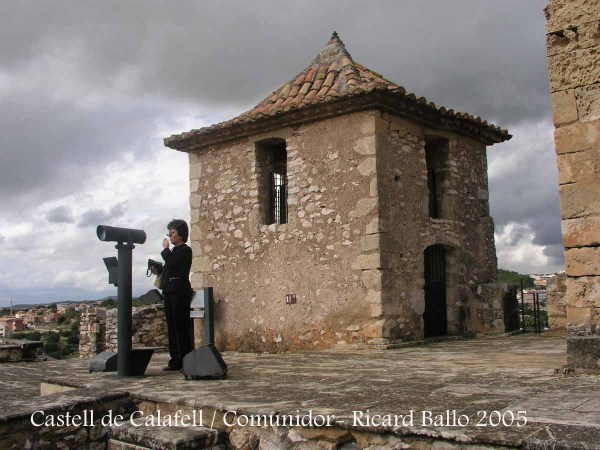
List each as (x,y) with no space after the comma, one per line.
(278,196)
(434,200)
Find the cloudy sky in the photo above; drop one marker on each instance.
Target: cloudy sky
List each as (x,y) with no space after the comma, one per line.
(89,89)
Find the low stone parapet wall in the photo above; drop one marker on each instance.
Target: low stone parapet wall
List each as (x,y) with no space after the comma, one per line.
(72,420)
(556,298)
(496,308)
(98,329)
(15,350)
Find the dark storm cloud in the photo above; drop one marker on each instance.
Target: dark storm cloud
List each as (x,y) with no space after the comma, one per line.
(60,214)
(96,217)
(481,56)
(50,147)
(84,82)
(524,188)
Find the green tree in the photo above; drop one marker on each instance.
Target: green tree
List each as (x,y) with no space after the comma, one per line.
(61,319)
(514,278)
(34,336)
(75,327)
(53,337)
(52,307)
(73,339)
(50,347)
(108,303)
(70,313)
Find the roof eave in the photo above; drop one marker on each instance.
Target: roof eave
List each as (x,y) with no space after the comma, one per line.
(391,102)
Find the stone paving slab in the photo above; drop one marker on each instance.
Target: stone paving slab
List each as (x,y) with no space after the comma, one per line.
(469,377)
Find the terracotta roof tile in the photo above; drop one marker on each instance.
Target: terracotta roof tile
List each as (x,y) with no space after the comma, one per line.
(331,76)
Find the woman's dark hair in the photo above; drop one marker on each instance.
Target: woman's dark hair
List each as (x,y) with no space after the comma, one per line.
(181,227)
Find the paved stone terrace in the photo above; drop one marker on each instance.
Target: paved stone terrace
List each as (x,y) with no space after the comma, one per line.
(486,374)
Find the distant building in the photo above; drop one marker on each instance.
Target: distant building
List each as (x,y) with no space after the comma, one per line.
(10,325)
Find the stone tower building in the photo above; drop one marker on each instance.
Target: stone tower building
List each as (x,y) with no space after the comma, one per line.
(343,209)
(573,44)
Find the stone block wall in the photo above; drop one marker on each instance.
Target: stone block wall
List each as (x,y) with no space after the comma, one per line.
(573,46)
(352,250)
(149,325)
(464,229)
(98,329)
(556,298)
(92,331)
(319,255)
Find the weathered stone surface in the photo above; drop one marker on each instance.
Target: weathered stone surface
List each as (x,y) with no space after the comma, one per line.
(577,137)
(363,207)
(588,103)
(570,70)
(584,291)
(564,107)
(375,226)
(372,279)
(367,262)
(579,200)
(149,326)
(582,261)
(202,264)
(370,243)
(365,145)
(579,167)
(357,203)
(582,232)
(367,167)
(556,297)
(564,41)
(583,352)
(195,170)
(563,13)
(579,315)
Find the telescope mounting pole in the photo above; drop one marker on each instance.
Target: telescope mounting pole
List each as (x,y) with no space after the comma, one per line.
(124,305)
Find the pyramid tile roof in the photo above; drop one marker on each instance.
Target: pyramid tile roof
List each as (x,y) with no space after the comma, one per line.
(335,84)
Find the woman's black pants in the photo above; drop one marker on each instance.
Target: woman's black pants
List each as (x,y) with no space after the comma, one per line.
(177,311)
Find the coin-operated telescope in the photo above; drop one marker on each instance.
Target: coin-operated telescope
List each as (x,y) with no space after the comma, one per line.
(127,361)
(116,234)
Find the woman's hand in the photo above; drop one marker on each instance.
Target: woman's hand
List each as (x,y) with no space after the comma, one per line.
(165,243)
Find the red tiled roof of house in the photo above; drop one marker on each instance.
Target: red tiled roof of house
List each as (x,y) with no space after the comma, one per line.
(332,76)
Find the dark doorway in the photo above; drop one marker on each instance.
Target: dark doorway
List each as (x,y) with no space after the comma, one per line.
(435,316)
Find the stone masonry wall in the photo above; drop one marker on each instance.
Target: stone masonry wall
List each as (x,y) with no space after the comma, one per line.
(319,255)
(556,299)
(573,38)
(406,230)
(92,331)
(98,329)
(149,325)
(352,250)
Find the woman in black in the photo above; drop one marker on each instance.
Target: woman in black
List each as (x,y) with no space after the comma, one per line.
(177,291)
